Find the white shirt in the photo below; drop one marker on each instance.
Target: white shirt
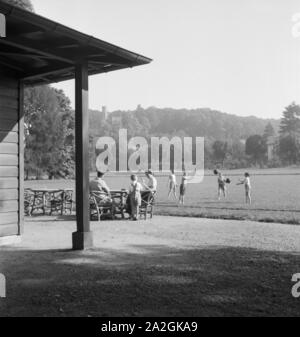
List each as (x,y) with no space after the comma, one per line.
(172,179)
(135,185)
(152,184)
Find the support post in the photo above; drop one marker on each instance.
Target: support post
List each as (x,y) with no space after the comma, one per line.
(21,158)
(83,238)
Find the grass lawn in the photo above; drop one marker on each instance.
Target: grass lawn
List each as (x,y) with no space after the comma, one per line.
(164,267)
(275,193)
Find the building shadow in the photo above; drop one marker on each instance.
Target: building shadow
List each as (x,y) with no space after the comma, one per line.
(149,280)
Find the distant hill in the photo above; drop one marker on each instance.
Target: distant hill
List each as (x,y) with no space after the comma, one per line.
(203,122)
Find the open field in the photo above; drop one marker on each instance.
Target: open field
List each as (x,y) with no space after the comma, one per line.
(275,194)
(165,267)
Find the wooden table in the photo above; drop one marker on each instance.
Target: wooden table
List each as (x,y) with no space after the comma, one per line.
(119,198)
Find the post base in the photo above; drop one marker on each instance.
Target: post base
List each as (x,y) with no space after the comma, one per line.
(82,240)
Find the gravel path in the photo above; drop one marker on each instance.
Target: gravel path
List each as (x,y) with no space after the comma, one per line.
(44,233)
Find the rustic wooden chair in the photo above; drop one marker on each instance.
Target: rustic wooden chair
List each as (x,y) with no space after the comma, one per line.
(101,206)
(28,201)
(68,201)
(95,213)
(39,202)
(147,205)
(56,202)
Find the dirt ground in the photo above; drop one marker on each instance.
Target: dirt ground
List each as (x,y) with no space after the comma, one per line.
(165,267)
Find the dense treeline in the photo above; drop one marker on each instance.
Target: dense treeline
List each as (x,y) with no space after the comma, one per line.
(206,123)
(230,141)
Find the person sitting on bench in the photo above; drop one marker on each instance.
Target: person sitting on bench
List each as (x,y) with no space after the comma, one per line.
(150,187)
(99,185)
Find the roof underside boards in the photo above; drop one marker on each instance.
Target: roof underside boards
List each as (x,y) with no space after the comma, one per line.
(42,51)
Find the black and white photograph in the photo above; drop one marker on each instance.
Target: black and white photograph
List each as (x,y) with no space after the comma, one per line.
(149,161)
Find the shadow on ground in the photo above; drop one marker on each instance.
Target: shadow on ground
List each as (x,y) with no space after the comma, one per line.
(149,281)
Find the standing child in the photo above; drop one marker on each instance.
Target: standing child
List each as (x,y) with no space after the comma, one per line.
(246,182)
(221,186)
(183,186)
(135,197)
(172,184)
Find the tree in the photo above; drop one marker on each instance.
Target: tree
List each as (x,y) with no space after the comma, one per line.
(220,150)
(256,148)
(68,121)
(289,142)
(49,130)
(289,149)
(24,4)
(236,157)
(290,122)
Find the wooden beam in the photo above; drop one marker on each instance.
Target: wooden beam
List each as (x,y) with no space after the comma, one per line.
(46,72)
(83,238)
(48,78)
(31,47)
(21,158)
(68,46)
(106,64)
(11,65)
(35,56)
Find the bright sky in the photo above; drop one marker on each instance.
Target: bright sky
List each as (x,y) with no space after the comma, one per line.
(237,56)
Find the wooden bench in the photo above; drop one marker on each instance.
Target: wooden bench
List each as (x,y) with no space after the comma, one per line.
(101,205)
(147,205)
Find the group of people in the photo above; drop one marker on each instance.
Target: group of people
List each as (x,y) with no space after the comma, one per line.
(222,189)
(172,185)
(138,191)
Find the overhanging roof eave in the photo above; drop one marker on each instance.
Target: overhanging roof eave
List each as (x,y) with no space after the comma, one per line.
(115,57)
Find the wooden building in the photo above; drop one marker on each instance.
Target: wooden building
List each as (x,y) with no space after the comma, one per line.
(39,51)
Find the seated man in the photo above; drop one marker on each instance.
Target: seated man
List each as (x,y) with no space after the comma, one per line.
(150,187)
(99,185)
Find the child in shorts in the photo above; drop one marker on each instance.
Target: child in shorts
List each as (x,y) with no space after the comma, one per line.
(183,186)
(135,197)
(221,186)
(246,182)
(172,184)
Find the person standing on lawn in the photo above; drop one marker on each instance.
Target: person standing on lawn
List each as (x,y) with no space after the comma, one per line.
(221,186)
(182,188)
(172,184)
(246,182)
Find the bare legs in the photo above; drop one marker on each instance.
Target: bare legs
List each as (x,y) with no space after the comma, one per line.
(248,197)
(220,191)
(181,199)
(172,189)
